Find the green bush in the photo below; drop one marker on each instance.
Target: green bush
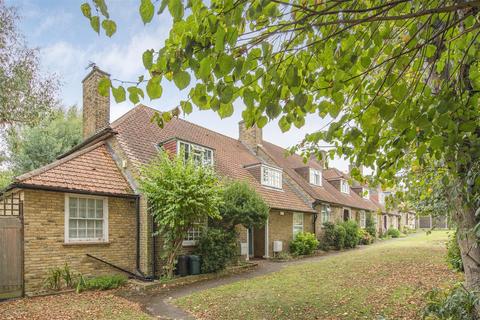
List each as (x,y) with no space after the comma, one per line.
(453,304)
(340,236)
(393,232)
(454,258)
(101,282)
(370,225)
(365,237)
(218,248)
(351,236)
(59,277)
(303,244)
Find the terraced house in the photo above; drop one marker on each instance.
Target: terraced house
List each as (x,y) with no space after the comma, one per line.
(86,208)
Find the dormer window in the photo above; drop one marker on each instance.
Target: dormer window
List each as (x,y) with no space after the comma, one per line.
(365,193)
(344,187)
(271,177)
(200,155)
(315,177)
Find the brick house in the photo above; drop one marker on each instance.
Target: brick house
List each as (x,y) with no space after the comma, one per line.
(86,205)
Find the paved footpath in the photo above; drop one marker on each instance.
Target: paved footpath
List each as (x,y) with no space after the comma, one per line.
(160,306)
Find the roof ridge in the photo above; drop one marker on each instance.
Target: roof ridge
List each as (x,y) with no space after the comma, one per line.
(58,162)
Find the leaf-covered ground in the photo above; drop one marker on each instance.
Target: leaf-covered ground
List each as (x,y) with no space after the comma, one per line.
(87,305)
(387,280)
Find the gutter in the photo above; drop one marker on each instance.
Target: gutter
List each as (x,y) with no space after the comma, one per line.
(66,190)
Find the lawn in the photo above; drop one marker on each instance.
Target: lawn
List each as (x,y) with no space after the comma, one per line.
(387,280)
(87,305)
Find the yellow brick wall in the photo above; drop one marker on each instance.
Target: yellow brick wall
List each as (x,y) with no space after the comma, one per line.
(44,247)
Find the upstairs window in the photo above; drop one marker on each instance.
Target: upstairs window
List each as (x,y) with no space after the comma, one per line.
(344,187)
(200,155)
(315,177)
(325,213)
(271,177)
(365,193)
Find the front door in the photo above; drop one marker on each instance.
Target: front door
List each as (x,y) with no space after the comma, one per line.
(250,242)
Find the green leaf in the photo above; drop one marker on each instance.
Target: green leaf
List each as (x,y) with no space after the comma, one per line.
(186,106)
(176,9)
(220,40)
(86,10)
(284,124)
(100,4)
(262,121)
(301,99)
(430,50)
(134,94)
(225,93)
(95,23)
(225,110)
(436,143)
(109,26)
(226,63)
(154,88)
(181,79)
(118,94)
(163,5)
(104,86)
(146,11)
(147,59)
(205,68)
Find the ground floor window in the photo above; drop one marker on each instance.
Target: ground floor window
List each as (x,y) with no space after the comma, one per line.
(297,223)
(346,214)
(363,218)
(325,213)
(86,218)
(194,234)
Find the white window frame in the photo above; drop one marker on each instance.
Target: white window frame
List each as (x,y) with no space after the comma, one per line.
(366,193)
(272,181)
(325,208)
(192,148)
(297,228)
(196,232)
(314,173)
(363,218)
(67,219)
(344,186)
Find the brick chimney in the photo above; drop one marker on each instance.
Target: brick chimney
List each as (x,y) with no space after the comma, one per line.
(96,108)
(251,137)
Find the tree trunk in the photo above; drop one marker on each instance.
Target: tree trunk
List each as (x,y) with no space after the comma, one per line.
(469,249)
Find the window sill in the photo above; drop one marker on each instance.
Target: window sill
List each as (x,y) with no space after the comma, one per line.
(189,243)
(86,243)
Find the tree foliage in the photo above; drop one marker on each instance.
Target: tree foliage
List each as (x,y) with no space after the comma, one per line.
(30,147)
(180,194)
(25,95)
(241,204)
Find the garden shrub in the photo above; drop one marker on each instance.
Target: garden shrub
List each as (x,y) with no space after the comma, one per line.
(454,258)
(370,225)
(328,238)
(453,304)
(304,243)
(59,277)
(101,282)
(393,232)
(351,235)
(340,236)
(218,248)
(365,237)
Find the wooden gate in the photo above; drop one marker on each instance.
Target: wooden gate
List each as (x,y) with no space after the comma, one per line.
(11,246)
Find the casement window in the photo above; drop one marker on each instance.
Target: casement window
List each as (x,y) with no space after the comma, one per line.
(344,187)
(271,177)
(297,223)
(86,219)
(200,155)
(194,234)
(363,219)
(315,177)
(365,193)
(325,213)
(347,214)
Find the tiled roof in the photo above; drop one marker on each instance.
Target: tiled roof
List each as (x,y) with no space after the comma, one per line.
(91,169)
(326,192)
(139,138)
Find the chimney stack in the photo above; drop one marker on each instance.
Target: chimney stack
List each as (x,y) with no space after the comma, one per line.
(96,108)
(251,137)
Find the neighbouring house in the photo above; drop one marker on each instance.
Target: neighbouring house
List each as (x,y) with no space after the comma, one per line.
(86,208)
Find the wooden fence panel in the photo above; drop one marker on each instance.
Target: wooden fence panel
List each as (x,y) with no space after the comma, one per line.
(11,257)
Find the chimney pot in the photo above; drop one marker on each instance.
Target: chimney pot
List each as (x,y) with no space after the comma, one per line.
(96,108)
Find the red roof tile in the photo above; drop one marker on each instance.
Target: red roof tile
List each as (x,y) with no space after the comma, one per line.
(91,169)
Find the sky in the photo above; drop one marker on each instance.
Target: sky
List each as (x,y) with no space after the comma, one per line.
(67,45)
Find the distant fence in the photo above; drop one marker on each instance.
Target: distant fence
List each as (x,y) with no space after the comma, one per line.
(429,222)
